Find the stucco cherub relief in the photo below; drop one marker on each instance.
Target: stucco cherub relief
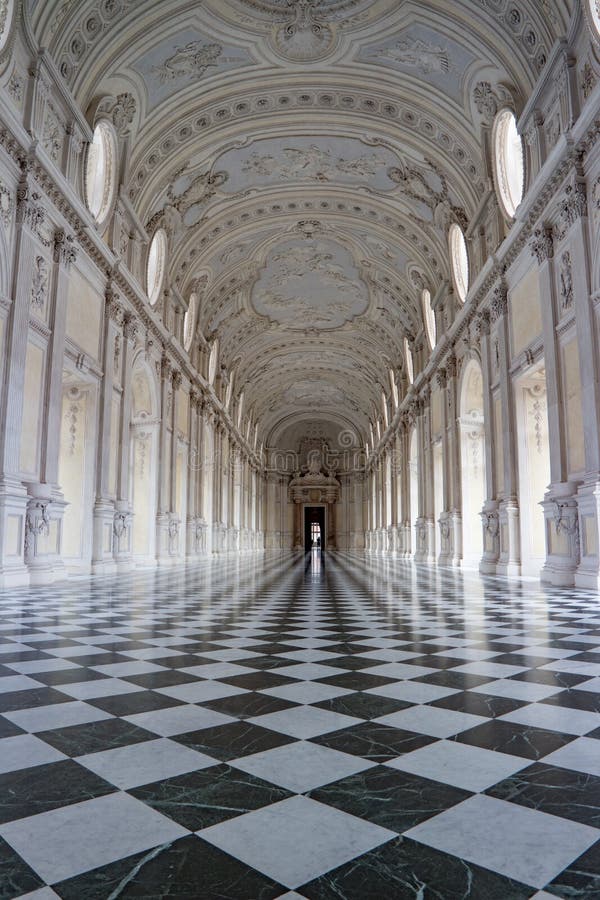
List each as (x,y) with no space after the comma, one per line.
(311,282)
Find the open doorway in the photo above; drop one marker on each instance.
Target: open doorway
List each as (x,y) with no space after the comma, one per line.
(314,528)
(472,453)
(534,467)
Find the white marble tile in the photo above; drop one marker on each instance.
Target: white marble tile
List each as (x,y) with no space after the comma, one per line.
(44,893)
(305,721)
(229,654)
(412,691)
(301,766)
(526,844)
(101,687)
(24,751)
(431,720)
(460,765)
(127,669)
(574,667)
(31,666)
(592,685)
(178,719)
(296,840)
(200,691)
(399,670)
(470,653)
(491,669)
(389,655)
(73,839)
(9,683)
(76,650)
(143,763)
(216,670)
(517,690)
(310,655)
(58,715)
(306,692)
(581,755)
(309,671)
(555,718)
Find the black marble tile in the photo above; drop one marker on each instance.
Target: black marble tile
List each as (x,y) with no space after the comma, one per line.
(588,701)
(520,659)
(395,800)
(23,656)
(551,789)
(356,681)
(247,706)
(269,648)
(546,676)
(350,662)
(68,676)
(510,737)
(42,696)
(479,704)
(77,740)
(130,704)
(182,661)
(402,869)
(102,659)
(462,681)
(166,678)
(362,705)
(236,739)
(436,662)
(16,878)
(8,728)
(200,799)
(189,869)
(264,662)
(38,789)
(374,741)
(258,681)
(581,879)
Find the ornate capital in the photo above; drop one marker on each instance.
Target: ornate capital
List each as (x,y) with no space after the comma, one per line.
(113,308)
(130,327)
(542,244)
(451,366)
(573,207)
(441,378)
(176,379)
(499,302)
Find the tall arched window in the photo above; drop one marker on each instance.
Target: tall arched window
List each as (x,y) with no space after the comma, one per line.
(429,317)
(394,388)
(459,261)
(508,161)
(156,265)
(6,20)
(594,14)
(101,171)
(408,358)
(189,321)
(212,361)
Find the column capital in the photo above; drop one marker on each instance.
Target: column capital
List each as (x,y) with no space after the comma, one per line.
(499,301)
(542,244)
(130,327)
(176,379)
(573,206)
(65,252)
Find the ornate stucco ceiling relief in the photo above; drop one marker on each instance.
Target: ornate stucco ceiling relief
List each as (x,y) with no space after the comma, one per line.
(306,158)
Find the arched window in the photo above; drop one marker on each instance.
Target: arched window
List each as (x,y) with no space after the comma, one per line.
(394,388)
(101,171)
(384,408)
(459,261)
(156,266)
(189,321)
(429,317)
(6,18)
(508,161)
(594,14)
(408,358)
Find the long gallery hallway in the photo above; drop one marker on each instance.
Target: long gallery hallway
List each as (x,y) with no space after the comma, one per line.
(336,726)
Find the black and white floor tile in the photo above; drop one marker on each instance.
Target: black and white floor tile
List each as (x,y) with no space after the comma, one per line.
(288,726)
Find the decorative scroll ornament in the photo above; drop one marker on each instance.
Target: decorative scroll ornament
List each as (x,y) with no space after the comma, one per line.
(491,524)
(39,283)
(308,37)
(121,523)
(65,253)
(488,100)
(37,523)
(120,110)
(573,207)
(6,205)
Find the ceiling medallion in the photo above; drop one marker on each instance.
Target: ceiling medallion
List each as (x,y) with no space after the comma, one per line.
(303,33)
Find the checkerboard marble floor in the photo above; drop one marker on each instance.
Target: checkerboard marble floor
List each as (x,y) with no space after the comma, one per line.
(283,726)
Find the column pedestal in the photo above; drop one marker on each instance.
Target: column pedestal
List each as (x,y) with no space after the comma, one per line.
(588,501)
(13,509)
(509,562)
(490,523)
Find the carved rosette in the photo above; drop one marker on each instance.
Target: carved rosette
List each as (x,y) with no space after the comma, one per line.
(542,244)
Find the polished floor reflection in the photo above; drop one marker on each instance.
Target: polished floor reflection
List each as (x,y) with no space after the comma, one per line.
(320,727)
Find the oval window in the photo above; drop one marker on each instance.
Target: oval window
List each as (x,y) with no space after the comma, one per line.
(155,269)
(594,11)
(189,322)
(508,161)
(459,261)
(101,171)
(410,369)
(429,318)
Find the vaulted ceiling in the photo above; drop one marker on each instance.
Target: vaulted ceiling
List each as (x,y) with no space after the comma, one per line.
(306,158)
